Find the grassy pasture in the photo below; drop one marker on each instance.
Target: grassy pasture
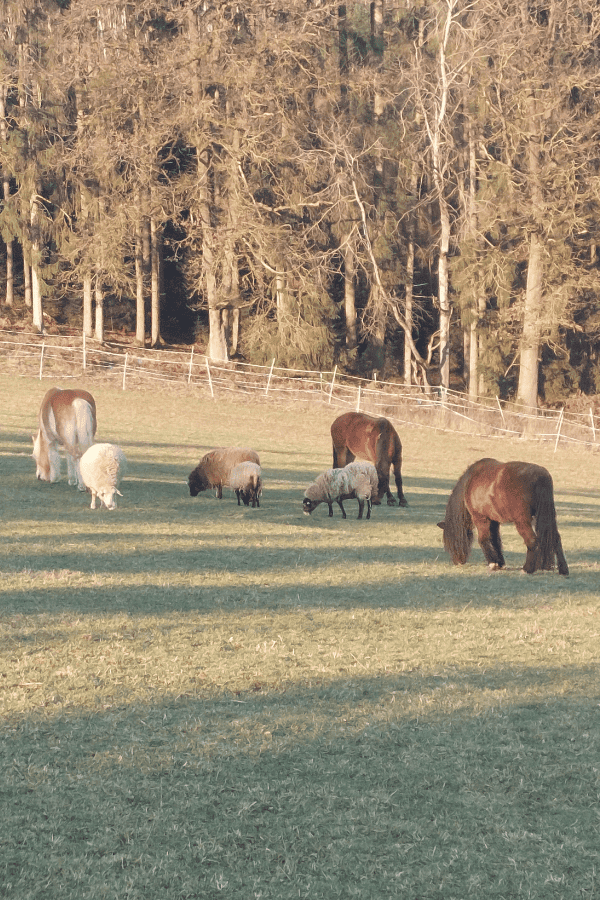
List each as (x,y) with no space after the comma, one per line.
(204,700)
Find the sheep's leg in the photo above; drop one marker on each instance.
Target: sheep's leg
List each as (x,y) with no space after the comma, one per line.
(237,494)
(330,505)
(361,506)
(341,506)
(93,503)
(369,504)
(219,492)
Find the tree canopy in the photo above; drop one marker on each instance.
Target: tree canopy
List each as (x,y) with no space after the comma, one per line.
(410,190)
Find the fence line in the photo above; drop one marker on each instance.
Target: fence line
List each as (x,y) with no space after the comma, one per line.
(438,409)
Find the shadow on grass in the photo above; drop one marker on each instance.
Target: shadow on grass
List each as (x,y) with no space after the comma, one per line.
(408,786)
(63,589)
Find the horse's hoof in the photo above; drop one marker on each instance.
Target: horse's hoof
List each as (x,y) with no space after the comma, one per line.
(391,501)
(403,502)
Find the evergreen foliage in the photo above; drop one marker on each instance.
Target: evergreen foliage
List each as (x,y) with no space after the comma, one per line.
(304,172)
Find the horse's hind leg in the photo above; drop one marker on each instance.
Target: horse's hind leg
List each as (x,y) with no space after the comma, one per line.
(496,542)
(402,501)
(383,486)
(73,471)
(342,456)
(488,535)
(532,559)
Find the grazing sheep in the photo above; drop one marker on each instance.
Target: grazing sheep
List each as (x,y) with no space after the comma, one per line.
(214,469)
(246,481)
(102,468)
(356,481)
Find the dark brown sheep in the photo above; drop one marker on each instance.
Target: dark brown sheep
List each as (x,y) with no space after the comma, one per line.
(214,469)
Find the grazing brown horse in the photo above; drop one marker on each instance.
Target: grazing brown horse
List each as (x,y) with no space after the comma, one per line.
(490,493)
(356,434)
(67,419)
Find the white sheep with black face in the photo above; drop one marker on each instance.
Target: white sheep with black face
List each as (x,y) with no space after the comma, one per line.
(102,468)
(356,481)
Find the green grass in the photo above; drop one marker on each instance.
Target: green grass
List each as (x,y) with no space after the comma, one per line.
(204,700)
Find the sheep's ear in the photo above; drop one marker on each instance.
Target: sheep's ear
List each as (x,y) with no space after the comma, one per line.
(119,492)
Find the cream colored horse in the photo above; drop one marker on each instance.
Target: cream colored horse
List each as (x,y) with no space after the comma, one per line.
(68,420)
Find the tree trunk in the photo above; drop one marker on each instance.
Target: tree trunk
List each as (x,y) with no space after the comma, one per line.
(529,347)
(155,338)
(234,334)
(408,308)
(140,310)
(10,280)
(350,295)
(443,291)
(217,339)
(377,332)
(36,289)
(436,127)
(88,327)
(99,295)
(478,302)
(26,279)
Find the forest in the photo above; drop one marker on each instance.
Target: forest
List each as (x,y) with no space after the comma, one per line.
(408,191)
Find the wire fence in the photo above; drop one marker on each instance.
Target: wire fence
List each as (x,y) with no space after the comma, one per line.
(57,358)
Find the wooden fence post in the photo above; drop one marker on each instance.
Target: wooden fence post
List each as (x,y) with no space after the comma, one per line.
(42,359)
(269,378)
(560,419)
(191,363)
(501,412)
(358,397)
(125,369)
(84,353)
(332,382)
(593,425)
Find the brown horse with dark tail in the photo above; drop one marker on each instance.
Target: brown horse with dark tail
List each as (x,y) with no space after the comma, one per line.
(356,434)
(490,493)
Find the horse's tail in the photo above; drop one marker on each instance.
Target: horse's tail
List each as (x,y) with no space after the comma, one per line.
(385,450)
(82,437)
(548,537)
(458,525)
(44,415)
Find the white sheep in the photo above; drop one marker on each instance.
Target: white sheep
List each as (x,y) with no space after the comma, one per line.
(357,480)
(102,468)
(245,479)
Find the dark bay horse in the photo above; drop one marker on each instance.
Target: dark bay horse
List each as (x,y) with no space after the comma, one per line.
(356,434)
(490,493)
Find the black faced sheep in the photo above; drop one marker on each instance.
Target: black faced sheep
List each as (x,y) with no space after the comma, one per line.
(102,467)
(356,481)
(214,469)
(245,479)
